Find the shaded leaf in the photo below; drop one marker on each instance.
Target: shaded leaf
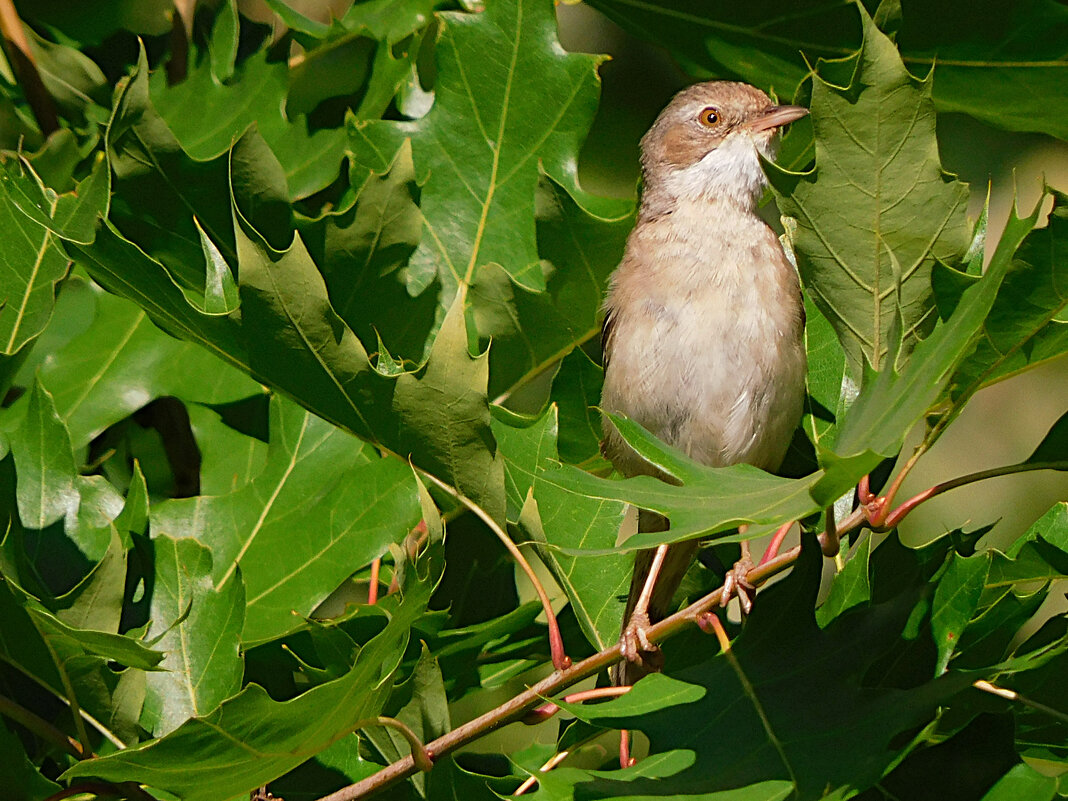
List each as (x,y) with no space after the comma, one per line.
(999,62)
(790,719)
(565,524)
(1028,323)
(123,361)
(23,780)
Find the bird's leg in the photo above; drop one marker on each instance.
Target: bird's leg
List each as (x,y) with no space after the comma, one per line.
(634,641)
(736,581)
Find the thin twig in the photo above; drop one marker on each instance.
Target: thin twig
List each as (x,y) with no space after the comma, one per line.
(1012,695)
(776,541)
(556,642)
(546,711)
(514,708)
(372,588)
(900,512)
(41,727)
(553,761)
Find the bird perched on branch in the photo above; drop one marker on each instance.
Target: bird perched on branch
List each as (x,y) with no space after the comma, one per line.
(703,331)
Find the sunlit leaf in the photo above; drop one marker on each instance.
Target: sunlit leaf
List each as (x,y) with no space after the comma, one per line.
(878,211)
(199,628)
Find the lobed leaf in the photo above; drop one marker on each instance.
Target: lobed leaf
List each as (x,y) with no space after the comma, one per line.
(198,626)
(878,212)
(999,62)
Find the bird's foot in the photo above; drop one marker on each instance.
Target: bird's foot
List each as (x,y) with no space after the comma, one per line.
(736,583)
(635,646)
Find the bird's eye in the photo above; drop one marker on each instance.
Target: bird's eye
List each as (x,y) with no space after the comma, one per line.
(709,117)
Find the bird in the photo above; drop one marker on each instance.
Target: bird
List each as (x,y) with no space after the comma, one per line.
(703,334)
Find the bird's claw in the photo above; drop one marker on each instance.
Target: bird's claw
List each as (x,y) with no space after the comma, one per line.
(635,645)
(736,583)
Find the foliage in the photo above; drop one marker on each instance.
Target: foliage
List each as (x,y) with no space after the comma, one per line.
(280,312)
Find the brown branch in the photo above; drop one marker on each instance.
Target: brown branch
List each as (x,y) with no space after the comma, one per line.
(514,708)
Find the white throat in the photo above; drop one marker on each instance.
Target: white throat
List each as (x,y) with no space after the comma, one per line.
(731,172)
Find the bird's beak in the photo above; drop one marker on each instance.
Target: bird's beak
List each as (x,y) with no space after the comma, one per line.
(776,116)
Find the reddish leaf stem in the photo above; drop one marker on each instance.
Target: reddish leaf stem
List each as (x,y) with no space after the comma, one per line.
(776,541)
(372,588)
(561,661)
(514,708)
(546,711)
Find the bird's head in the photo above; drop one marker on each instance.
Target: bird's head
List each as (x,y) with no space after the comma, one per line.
(705,143)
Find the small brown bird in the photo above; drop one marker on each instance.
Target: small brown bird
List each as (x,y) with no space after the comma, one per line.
(703,332)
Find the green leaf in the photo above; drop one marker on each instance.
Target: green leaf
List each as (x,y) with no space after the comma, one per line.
(222,49)
(955,601)
(1052,527)
(1053,449)
(828,388)
(869,269)
(1023,783)
(220,290)
(781,731)
(33,265)
(123,361)
(705,501)
(478,151)
(66,645)
(850,587)
(566,784)
(890,403)
(446,417)
(23,780)
(71,215)
(999,62)
(229,458)
(96,601)
(50,487)
(1028,323)
(530,331)
(199,628)
(323,507)
(363,255)
(426,713)
(251,739)
(206,116)
(576,392)
(564,524)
